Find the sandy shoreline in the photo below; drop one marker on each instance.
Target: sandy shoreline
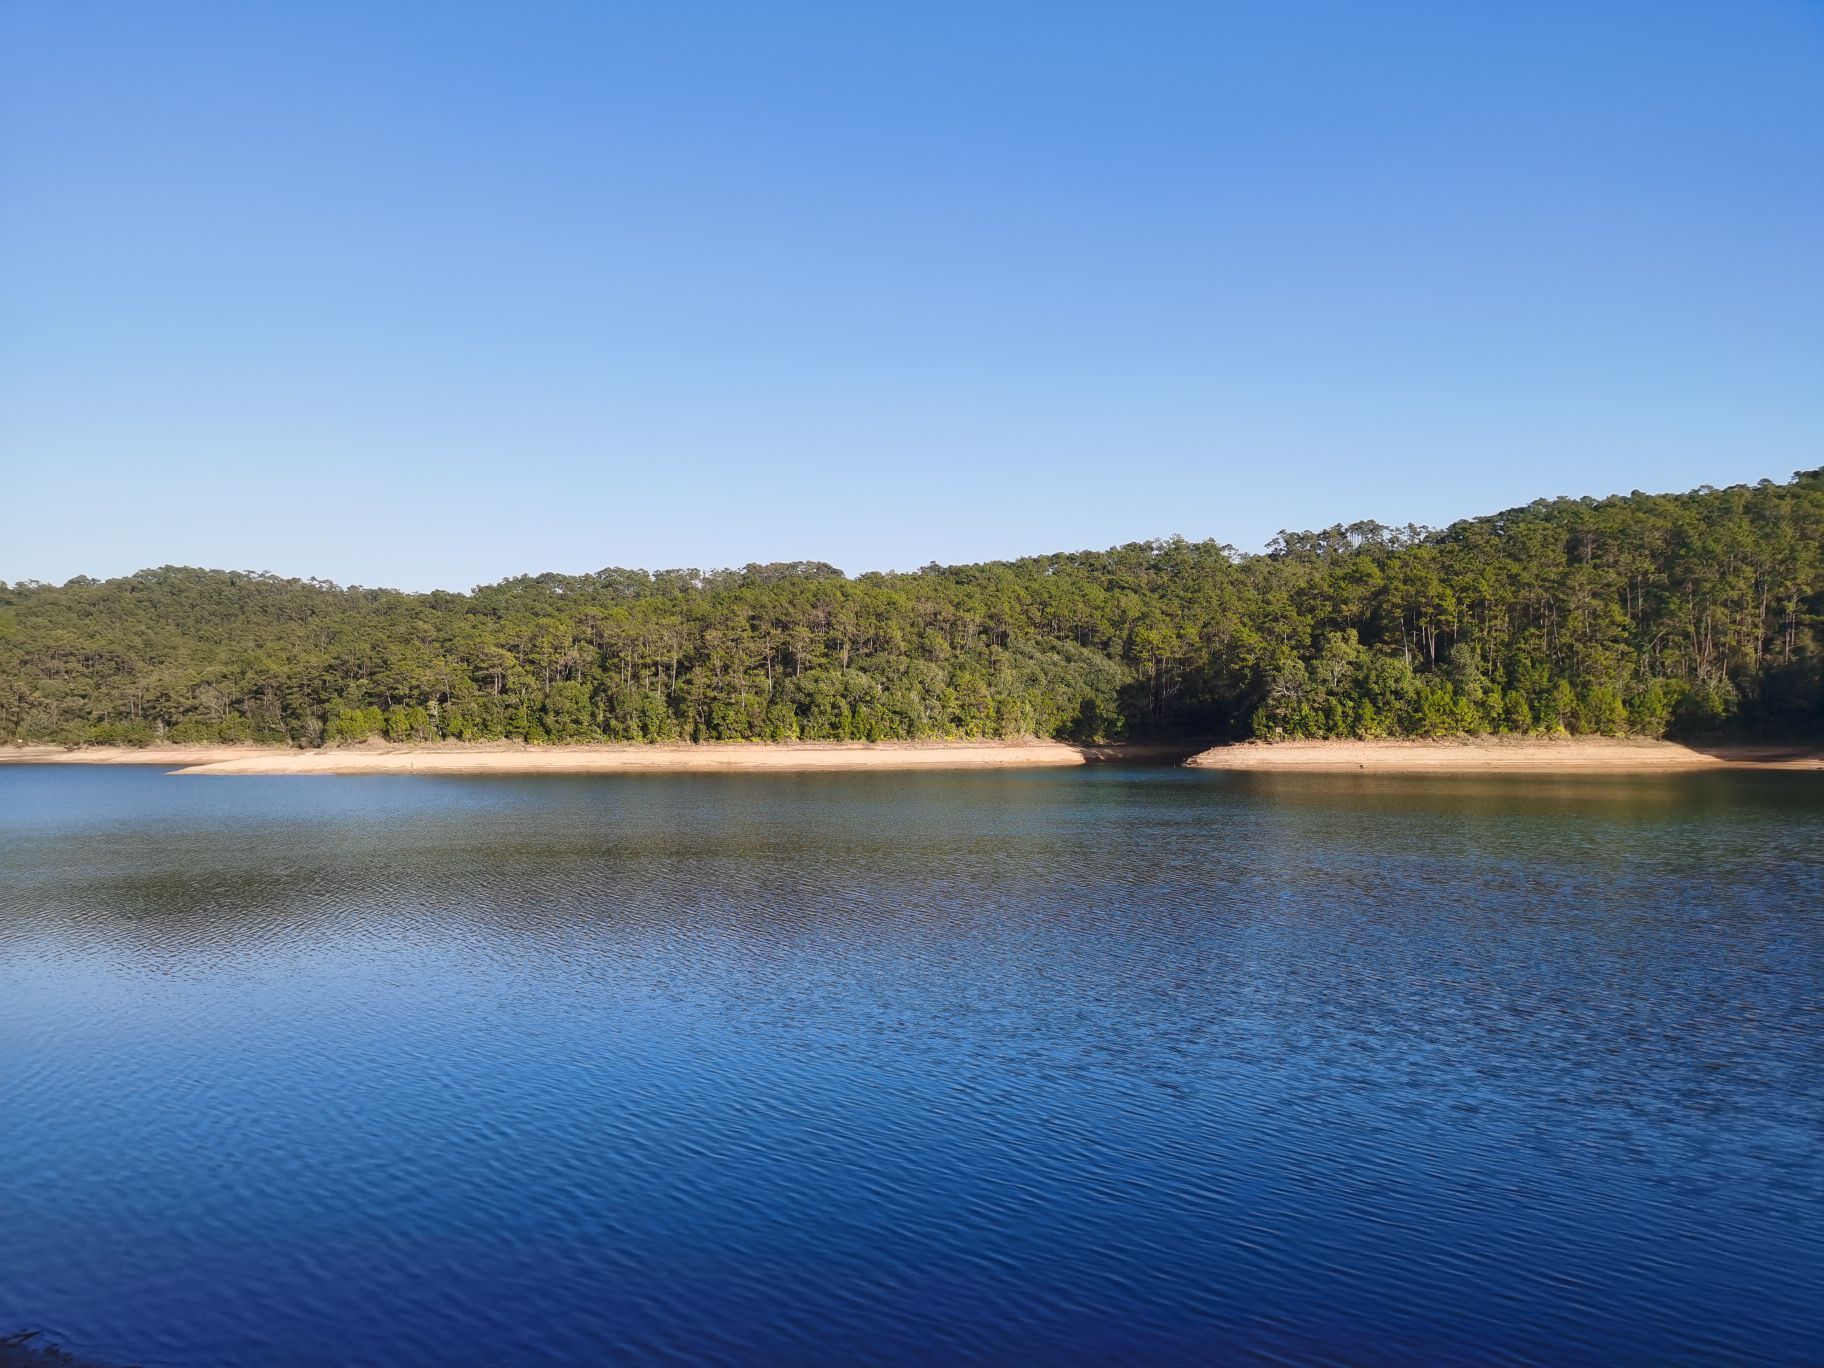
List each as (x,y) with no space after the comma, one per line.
(1505,754)
(509,759)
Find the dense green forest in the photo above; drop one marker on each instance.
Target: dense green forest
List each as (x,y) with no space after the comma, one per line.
(1642,615)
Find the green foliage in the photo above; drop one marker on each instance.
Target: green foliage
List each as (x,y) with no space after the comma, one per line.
(1602,710)
(351,725)
(1644,615)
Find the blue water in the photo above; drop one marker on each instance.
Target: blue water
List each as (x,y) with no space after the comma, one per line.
(1108,1065)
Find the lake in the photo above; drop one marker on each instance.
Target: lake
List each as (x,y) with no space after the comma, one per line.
(1050,1066)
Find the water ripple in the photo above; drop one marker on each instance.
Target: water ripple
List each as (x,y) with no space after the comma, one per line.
(1148,1066)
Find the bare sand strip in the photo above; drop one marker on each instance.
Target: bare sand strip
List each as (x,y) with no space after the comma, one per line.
(514,759)
(1506,754)
(1503,754)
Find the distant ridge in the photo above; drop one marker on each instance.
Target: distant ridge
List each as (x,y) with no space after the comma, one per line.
(1642,615)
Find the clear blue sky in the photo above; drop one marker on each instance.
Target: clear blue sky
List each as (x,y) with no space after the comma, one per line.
(430,294)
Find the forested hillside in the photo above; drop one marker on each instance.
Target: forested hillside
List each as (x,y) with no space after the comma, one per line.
(1643,615)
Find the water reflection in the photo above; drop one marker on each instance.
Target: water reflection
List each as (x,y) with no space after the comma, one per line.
(1154,1064)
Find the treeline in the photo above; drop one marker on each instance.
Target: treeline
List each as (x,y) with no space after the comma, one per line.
(1640,615)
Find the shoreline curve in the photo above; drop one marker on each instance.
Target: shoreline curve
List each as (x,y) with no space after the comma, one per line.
(1506,755)
(713,757)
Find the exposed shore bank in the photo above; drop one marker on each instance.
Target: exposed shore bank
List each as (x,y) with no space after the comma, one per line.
(736,756)
(1506,754)
(1493,754)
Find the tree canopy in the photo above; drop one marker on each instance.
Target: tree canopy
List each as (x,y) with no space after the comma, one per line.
(1632,615)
